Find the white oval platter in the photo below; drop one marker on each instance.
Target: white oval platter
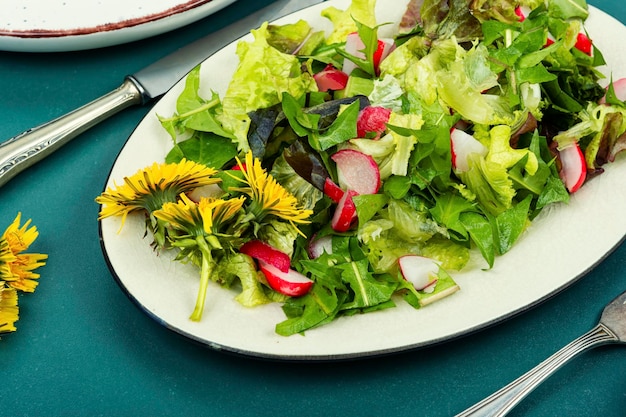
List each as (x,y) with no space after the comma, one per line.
(561,246)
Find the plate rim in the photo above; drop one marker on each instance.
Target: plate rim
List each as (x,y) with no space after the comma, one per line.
(109,33)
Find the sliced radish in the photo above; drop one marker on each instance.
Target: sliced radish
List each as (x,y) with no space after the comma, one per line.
(522,12)
(345,213)
(584,44)
(619,87)
(418,270)
(549,40)
(317,246)
(263,252)
(430,288)
(330,78)
(372,119)
(290,282)
(356,47)
(462,146)
(357,171)
(385,47)
(573,167)
(332,190)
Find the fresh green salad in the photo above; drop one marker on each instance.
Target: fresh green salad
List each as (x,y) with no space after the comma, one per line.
(397,158)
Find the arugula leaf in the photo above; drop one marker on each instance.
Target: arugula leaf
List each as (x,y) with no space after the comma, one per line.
(368,205)
(523,180)
(300,122)
(611,97)
(554,191)
(397,186)
(343,285)
(510,224)
(369,37)
(340,131)
(448,210)
(204,148)
(569,9)
(481,231)
(368,291)
(318,307)
(193,111)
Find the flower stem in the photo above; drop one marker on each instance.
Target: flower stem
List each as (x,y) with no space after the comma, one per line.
(206,106)
(205,275)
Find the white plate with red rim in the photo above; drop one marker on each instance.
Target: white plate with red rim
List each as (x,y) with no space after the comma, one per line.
(68,25)
(560,247)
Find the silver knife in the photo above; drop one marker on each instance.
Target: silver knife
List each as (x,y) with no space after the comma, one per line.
(25,149)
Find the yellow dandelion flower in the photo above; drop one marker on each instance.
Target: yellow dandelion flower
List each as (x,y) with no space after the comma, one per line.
(267,195)
(24,279)
(182,215)
(19,237)
(202,218)
(220,211)
(16,267)
(150,188)
(9,312)
(199,222)
(6,259)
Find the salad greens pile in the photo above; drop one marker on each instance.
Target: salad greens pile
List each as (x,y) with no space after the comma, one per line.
(518,85)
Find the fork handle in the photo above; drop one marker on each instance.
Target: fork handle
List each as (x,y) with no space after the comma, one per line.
(502,401)
(25,149)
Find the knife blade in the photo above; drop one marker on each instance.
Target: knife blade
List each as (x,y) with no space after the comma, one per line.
(141,87)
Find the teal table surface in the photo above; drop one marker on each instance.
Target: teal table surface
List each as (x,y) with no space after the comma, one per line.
(84,349)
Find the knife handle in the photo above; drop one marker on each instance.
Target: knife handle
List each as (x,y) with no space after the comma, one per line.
(25,149)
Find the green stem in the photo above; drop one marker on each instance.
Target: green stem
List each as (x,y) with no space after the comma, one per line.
(255,212)
(205,276)
(197,110)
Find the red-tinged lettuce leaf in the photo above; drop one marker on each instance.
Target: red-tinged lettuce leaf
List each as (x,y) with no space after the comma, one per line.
(412,16)
(600,149)
(620,145)
(306,163)
(445,19)
(262,125)
(500,10)
(294,38)
(433,13)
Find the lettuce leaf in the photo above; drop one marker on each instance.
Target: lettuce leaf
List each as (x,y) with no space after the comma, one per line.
(500,10)
(295,38)
(447,19)
(569,9)
(490,183)
(343,21)
(243,267)
(263,75)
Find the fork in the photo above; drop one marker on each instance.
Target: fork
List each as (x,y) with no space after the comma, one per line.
(610,329)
